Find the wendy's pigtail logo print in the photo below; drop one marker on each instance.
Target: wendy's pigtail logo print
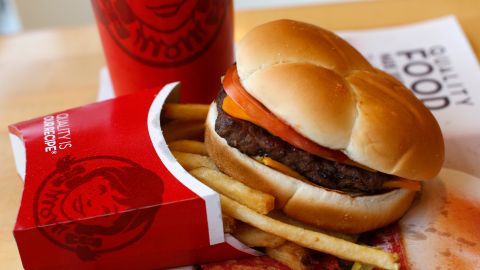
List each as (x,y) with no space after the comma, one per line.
(163,33)
(83,205)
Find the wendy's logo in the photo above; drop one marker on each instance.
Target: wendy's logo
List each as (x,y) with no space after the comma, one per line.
(162,33)
(97,204)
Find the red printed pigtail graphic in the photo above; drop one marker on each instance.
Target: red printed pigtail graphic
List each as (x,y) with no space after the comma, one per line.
(83,204)
(162,33)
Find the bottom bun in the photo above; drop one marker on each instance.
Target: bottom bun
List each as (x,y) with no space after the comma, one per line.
(304,201)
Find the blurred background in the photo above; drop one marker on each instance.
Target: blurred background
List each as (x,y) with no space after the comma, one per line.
(24,15)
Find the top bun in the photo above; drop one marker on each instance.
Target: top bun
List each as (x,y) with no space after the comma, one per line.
(327,91)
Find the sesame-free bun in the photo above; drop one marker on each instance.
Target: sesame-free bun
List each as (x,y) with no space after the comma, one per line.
(306,201)
(327,91)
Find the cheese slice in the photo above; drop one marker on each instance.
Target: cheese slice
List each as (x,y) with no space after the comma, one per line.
(231,108)
(280,167)
(403,183)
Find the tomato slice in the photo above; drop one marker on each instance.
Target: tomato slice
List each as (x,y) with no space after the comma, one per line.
(264,118)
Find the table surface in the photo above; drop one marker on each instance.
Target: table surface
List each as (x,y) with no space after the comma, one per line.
(55,69)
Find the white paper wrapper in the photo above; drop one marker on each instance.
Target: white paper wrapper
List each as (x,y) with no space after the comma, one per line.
(435,60)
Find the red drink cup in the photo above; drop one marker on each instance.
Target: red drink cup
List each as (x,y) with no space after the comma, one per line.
(149,43)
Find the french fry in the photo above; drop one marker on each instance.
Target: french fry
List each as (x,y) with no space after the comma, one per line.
(254,237)
(283,218)
(359,266)
(311,239)
(179,130)
(185,111)
(285,239)
(258,201)
(191,161)
(292,255)
(229,224)
(189,146)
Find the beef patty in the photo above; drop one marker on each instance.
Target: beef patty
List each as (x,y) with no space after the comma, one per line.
(253,140)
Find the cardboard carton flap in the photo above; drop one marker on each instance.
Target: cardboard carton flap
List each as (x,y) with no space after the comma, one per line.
(212,199)
(18,149)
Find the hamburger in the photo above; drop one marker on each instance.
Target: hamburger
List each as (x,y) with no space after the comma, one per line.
(305,117)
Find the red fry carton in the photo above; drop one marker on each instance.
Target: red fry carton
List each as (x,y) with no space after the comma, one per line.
(103,191)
